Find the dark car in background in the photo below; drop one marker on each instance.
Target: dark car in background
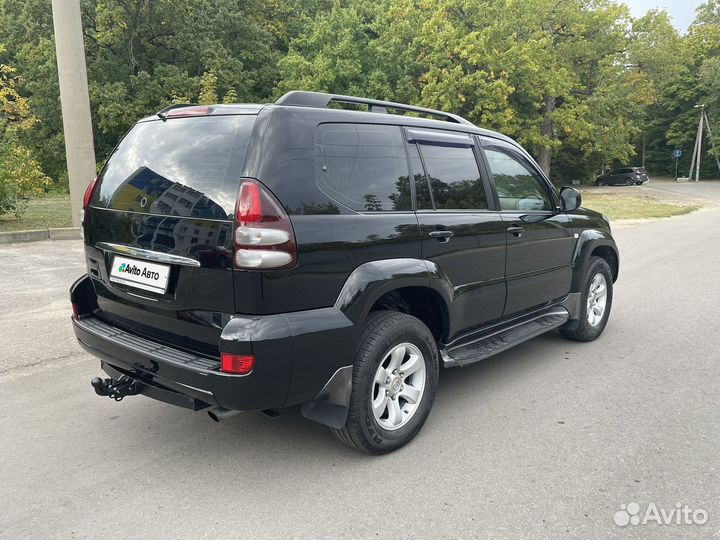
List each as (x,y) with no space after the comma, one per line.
(258,257)
(625,176)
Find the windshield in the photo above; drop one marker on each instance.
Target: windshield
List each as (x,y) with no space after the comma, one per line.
(178,167)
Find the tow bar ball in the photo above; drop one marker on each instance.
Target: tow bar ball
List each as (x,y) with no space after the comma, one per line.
(115,389)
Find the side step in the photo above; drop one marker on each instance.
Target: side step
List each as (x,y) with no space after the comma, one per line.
(500,339)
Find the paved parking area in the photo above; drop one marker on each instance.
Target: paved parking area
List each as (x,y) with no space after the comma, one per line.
(546,440)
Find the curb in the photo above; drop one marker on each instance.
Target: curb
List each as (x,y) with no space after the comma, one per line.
(68,233)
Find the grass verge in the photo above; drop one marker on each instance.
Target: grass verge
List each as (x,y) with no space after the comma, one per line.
(624,206)
(52,211)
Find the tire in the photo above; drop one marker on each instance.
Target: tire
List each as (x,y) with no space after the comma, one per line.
(601,183)
(589,327)
(628,181)
(384,332)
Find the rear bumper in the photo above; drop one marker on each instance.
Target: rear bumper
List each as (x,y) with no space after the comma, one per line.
(295,356)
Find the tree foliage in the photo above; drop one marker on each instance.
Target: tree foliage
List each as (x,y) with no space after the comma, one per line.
(20,174)
(580,83)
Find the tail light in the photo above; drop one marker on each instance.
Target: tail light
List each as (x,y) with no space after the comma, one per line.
(195,110)
(237,364)
(263,238)
(86,199)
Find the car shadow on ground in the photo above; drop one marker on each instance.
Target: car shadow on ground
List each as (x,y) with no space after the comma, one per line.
(291,438)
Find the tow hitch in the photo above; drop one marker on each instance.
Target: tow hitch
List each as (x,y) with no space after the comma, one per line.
(116,389)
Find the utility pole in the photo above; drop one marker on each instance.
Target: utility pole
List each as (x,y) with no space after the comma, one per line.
(75,100)
(697,150)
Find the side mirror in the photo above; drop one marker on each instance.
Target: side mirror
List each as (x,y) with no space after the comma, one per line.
(570,199)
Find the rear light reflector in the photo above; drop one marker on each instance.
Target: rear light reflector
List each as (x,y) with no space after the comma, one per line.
(76,313)
(263,238)
(237,364)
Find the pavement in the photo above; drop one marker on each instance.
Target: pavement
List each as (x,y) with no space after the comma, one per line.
(546,440)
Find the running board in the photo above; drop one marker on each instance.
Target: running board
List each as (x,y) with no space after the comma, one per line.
(501,339)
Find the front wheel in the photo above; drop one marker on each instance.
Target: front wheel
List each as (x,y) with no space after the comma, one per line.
(596,301)
(394,380)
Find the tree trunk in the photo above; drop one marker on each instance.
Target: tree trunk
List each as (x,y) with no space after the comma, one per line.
(547,130)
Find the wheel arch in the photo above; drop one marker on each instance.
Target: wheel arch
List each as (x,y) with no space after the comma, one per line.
(594,242)
(393,284)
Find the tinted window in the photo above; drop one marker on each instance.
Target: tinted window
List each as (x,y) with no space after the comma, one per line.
(519,186)
(422,188)
(454,177)
(180,167)
(363,166)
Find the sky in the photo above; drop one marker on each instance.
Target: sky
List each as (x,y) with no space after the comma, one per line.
(681,11)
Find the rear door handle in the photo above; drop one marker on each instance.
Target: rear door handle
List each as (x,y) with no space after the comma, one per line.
(442,236)
(516,231)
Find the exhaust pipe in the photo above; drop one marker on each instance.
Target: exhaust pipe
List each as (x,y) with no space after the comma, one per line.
(221,413)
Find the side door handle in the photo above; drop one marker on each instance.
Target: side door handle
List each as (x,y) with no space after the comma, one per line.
(442,236)
(516,230)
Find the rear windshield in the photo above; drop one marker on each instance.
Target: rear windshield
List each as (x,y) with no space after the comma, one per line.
(179,167)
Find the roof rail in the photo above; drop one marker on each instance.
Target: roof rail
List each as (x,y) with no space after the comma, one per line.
(320,100)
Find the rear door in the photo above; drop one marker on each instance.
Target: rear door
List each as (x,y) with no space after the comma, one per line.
(459,229)
(539,238)
(159,233)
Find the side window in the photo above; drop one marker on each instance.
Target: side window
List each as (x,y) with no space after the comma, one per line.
(363,166)
(519,186)
(454,177)
(422,188)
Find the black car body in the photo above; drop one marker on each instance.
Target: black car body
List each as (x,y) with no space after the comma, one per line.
(235,253)
(624,176)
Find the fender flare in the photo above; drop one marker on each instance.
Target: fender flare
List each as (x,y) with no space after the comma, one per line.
(369,281)
(363,287)
(588,241)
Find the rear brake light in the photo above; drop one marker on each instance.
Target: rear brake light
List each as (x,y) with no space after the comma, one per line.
(237,364)
(199,110)
(263,237)
(86,199)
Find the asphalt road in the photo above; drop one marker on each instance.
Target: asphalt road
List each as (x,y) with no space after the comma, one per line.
(545,440)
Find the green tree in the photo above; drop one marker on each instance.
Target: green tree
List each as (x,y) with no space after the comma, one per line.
(20,174)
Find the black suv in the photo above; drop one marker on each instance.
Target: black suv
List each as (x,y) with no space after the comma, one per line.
(257,257)
(626,176)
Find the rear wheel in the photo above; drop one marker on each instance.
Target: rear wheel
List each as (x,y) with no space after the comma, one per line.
(601,182)
(596,301)
(394,381)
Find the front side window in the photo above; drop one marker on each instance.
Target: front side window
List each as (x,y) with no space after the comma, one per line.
(454,177)
(520,187)
(363,166)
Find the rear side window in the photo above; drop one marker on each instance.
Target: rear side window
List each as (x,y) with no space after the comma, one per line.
(180,167)
(454,177)
(363,166)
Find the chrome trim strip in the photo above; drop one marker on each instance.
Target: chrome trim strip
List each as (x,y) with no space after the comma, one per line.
(148,255)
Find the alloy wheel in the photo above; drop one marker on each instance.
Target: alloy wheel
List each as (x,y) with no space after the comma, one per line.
(398,386)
